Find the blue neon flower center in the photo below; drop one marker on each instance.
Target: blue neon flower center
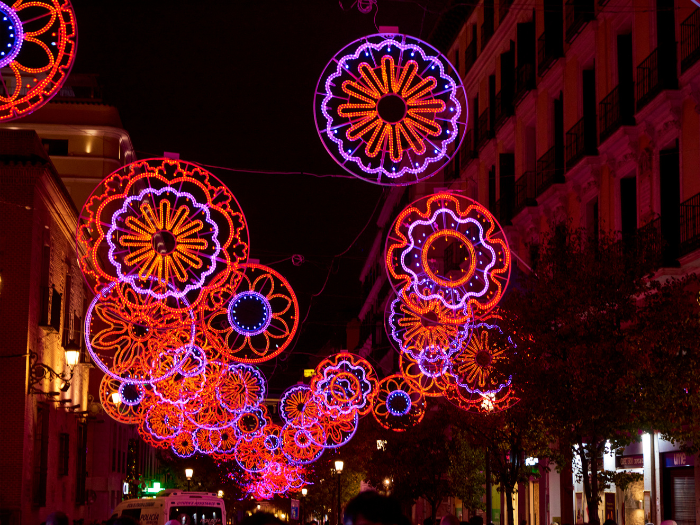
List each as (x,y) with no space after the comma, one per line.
(249,313)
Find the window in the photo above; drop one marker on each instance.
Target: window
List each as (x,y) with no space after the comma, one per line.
(56,147)
(63,453)
(196,515)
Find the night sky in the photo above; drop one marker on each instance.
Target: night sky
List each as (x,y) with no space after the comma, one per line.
(231,84)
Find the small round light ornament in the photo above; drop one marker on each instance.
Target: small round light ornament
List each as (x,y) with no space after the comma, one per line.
(398,406)
(390,109)
(252,317)
(38,41)
(449,248)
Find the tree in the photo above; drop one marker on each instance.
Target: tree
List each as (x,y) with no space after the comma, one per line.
(596,341)
(467,471)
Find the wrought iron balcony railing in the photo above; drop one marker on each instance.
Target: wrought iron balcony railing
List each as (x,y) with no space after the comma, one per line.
(483,130)
(690,40)
(525,192)
(467,151)
(612,114)
(575,144)
(548,171)
(577,13)
(469,56)
(648,81)
(524,80)
(486,33)
(690,225)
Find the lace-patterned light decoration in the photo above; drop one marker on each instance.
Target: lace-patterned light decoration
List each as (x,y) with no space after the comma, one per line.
(448,248)
(38,41)
(390,109)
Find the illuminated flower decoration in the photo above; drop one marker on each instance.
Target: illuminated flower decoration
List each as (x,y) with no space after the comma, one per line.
(184,386)
(253,321)
(389,109)
(164,235)
(475,366)
(344,384)
(298,407)
(169,228)
(206,441)
(38,39)
(470,401)
(429,375)
(183,444)
(451,249)
(415,324)
(164,421)
(337,431)
(123,402)
(227,444)
(252,423)
(252,456)
(299,445)
(241,388)
(138,340)
(398,406)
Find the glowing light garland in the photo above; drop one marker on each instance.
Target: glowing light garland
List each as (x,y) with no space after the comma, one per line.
(38,47)
(390,109)
(451,249)
(398,405)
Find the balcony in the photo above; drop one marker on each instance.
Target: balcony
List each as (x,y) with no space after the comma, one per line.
(577,14)
(646,244)
(612,114)
(503,211)
(545,55)
(548,171)
(467,152)
(486,33)
(576,146)
(690,40)
(690,225)
(483,132)
(524,80)
(648,82)
(503,110)
(469,57)
(524,192)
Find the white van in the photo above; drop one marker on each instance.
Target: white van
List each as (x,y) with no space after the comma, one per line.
(187,508)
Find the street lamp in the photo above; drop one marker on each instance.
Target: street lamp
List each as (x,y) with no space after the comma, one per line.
(387,482)
(304,492)
(188,474)
(339,470)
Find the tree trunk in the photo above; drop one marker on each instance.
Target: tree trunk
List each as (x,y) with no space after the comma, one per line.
(593,503)
(584,470)
(433,510)
(509,505)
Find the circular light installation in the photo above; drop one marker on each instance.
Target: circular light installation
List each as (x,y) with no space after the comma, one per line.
(11,34)
(249,313)
(168,228)
(344,384)
(398,406)
(252,317)
(38,40)
(448,248)
(298,407)
(390,109)
(131,394)
(398,403)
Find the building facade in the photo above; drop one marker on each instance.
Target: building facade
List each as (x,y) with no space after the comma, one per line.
(583,111)
(64,453)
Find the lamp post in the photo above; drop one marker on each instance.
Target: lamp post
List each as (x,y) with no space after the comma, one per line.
(188,474)
(304,492)
(387,482)
(339,470)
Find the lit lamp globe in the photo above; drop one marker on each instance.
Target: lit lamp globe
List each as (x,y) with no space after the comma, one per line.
(189,473)
(116,398)
(72,354)
(304,491)
(338,466)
